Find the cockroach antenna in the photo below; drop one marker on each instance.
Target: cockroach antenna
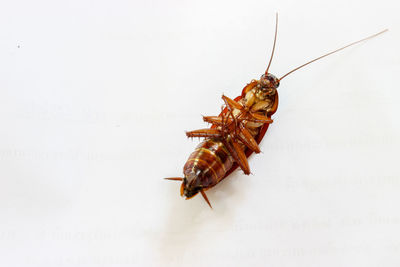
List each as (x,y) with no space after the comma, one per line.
(273,47)
(330,53)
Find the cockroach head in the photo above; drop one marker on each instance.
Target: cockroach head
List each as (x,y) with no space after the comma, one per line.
(267,85)
(269,81)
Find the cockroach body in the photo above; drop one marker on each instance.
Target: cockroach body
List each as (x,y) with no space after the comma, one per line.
(225,147)
(236,132)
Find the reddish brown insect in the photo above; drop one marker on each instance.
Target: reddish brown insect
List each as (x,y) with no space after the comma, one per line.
(236,132)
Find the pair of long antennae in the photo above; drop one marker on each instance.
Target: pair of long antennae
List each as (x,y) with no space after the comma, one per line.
(315,59)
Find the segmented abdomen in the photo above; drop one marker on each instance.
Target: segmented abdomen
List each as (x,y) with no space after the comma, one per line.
(209,162)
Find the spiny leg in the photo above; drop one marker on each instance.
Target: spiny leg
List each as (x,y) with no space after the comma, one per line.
(248,139)
(235,125)
(223,122)
(238,155)
(226,124)
(231,105)
(204,133)
(215,120)
(259,118)
(174,178)
(242,157)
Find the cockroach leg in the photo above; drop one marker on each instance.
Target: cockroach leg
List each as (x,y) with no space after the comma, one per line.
(248,139)
(249,86)
(204,133)
(261,105)
(242,157)
(174,178)
(215,120)
(223,125)
(226,123)
(205,197)
(238,155)
(244,141)
(259,118)
(231,104)
(234,124)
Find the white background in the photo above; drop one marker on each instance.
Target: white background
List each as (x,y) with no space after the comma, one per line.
(95,97)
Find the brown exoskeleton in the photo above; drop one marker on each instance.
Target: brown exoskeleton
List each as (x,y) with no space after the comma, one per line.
(236,132)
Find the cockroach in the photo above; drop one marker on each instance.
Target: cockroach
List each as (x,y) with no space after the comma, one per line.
(237,131)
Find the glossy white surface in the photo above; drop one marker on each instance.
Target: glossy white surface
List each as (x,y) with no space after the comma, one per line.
(94,101)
